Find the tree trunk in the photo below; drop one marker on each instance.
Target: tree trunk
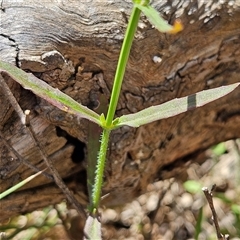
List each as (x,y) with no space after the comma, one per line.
(75,46)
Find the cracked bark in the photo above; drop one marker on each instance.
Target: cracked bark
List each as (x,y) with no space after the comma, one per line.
(75,48)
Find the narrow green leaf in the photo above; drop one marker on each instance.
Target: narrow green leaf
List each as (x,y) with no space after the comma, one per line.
(192,186)
(174,107)
(17,186)
(93,228)
(236,209)
(45,91)
(157,21)
(219,149)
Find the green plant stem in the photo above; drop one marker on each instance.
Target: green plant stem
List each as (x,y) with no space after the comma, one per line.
(96,193)
(122,62)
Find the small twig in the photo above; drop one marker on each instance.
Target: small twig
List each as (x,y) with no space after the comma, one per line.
(8,94)
(24,120)
(58,180)
(22,160)
(208,195)
(56,176)
(27,118)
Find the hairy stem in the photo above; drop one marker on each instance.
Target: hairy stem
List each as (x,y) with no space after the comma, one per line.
(96,193)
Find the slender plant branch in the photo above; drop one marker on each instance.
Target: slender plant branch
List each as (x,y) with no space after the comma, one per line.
(208,195)
(22,160)
(8,94)
(57,178)
(122,62)
(25,119)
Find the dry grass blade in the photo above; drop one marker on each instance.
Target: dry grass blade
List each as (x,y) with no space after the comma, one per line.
(208,194)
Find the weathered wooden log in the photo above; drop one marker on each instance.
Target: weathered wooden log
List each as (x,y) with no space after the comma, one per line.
(74,46)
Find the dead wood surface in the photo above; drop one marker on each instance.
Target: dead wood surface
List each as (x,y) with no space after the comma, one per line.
(75,48)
